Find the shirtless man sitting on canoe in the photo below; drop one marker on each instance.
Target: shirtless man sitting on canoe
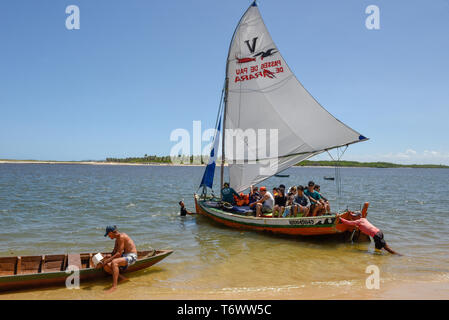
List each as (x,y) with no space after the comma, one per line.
(123,255)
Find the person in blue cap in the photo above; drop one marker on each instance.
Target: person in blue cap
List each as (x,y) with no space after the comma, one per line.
(123,255)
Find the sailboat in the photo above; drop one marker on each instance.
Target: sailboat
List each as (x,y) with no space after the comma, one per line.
(282,175)
(261,95)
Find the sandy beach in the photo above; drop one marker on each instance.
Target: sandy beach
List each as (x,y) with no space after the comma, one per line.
(404,290)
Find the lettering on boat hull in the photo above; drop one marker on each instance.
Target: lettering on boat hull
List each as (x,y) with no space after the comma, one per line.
(312,222)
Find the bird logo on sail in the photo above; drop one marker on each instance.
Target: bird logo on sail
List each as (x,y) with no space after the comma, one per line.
(262,54)
(265,54)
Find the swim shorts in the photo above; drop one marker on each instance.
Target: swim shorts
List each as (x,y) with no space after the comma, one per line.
(131,258)
(267,209)
(379,241)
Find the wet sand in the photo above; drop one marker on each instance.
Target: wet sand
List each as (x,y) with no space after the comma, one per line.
(388,291)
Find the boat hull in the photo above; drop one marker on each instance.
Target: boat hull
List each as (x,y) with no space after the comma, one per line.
(304,226)
(47,279)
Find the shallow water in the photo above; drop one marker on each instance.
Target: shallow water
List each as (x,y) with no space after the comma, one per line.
(48,208)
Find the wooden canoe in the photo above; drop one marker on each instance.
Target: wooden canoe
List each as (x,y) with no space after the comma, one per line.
(303,226)
(50,270)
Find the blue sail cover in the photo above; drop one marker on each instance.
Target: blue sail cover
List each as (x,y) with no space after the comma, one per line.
(208,177)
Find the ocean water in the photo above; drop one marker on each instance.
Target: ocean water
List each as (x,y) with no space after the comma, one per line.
(56,208)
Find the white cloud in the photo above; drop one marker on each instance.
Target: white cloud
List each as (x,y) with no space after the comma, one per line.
(432,153)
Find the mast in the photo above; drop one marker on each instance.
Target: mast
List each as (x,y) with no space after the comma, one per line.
(224,130)
(254,4)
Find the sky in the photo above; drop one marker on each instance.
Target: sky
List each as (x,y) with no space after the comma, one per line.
(136,70)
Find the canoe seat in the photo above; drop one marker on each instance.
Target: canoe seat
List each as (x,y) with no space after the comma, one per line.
(30,264)
(7,266)
(53,263)
(74,259)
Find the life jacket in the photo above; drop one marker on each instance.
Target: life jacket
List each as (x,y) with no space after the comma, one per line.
(243,201)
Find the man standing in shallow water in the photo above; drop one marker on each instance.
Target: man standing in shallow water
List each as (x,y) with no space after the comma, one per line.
(367,228)
(123,255)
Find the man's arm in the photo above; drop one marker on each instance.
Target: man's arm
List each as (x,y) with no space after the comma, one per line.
(294,201)
(115,248)
(308,202)
(265,197)
(117,254)
(349,223)
(319,200)
(312,200)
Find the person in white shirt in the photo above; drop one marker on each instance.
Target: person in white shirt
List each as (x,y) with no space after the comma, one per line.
(266,203)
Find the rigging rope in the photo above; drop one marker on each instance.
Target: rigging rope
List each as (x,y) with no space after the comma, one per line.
(338,184)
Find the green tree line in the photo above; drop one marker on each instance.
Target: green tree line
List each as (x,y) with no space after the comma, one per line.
(320,163)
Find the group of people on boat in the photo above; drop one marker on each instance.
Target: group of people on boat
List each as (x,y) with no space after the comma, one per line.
(297,201)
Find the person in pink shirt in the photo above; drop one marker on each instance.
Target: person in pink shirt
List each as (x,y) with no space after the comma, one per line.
(367,228)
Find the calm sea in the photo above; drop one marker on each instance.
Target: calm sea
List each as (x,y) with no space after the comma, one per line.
(56,208)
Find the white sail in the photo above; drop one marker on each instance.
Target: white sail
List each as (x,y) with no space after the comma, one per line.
(263,93)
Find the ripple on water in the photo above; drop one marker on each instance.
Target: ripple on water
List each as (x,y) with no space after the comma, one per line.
(52,209)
